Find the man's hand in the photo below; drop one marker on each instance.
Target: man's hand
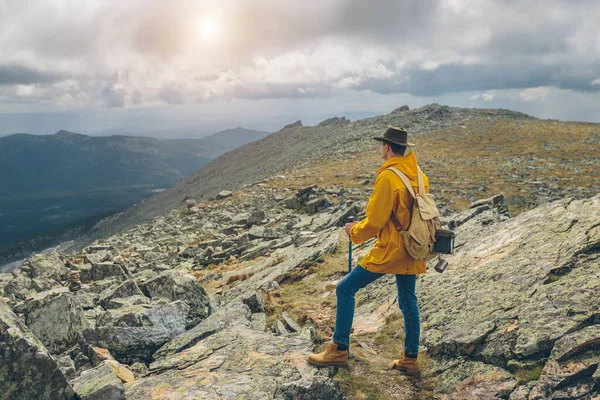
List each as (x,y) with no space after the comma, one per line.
(348,226)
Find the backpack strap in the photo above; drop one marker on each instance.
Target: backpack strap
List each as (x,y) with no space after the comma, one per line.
(420,180)
(406,181)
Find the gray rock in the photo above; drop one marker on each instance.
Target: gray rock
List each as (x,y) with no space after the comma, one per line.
(47,265)
(256,232)
(521,393)
(270,286)
(105,270)
(574,359)
(20,287)
(118,302)
(319,388)
(27,371)
(278,328)
(259,322)
(97,258)
(128,344)
(401,109)
(99,383)
(224,194)
(316,205)
(498,202)
(57,321)
(66,365)
(243,363)
(99,247)
(118,329)
(289,322)
(172,317)
(255,302)
(234,314)
(177,285)
(126,289)
(265,272)
(139,370)
(256,251)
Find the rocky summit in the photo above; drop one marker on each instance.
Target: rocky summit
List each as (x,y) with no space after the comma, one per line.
(224,298)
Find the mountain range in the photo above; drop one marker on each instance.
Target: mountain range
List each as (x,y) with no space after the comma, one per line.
(49,183)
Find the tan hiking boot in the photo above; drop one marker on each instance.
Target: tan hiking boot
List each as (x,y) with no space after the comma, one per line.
(330,357)
(407,366)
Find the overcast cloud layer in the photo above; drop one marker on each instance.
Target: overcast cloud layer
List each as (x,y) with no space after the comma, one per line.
(103,54)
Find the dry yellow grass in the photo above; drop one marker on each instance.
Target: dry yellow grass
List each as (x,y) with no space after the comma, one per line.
(477,160)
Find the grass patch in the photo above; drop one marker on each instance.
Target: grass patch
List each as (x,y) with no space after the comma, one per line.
(241,277)
(526,375)
(360,387)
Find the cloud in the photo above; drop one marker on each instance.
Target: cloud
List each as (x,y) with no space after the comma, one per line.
(139,52)
(483,96)
(21,75)
(113,96)
(534,94)
(171,95)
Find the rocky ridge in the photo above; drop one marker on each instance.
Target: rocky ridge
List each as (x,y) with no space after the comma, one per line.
(142,304)
(293,146)
(515,316)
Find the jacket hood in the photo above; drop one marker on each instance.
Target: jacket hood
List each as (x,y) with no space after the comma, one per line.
(406,164)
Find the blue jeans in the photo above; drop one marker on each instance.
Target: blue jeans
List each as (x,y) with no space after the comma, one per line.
(407,300)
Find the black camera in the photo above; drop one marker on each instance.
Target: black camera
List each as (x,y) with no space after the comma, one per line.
(444,241)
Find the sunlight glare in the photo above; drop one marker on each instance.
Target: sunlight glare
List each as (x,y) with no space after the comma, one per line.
(208,29)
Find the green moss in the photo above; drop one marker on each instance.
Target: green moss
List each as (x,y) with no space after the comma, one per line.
(527,375)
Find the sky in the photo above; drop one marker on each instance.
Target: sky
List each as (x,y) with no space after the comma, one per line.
(98,66)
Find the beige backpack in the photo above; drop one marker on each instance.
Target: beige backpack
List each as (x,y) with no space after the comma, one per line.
(419,239)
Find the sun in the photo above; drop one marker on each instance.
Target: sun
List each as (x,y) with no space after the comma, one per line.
(209,29)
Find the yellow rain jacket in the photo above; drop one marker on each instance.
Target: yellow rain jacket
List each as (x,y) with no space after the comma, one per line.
(389,255)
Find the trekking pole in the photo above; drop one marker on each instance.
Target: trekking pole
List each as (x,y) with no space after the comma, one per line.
(351,219)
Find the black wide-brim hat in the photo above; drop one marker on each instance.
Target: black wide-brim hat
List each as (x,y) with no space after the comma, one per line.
(395,135)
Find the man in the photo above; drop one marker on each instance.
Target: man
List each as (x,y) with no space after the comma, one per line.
(390,201)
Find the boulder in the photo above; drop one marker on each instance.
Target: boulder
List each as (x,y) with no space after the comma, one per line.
(234,314)
(105,270)
(57,321)
(235,364)
(317,205)
(47,265)
(290,324)
(128,344)
(177,285)
(134,333)
(172,316)
(224,194)
(278,328)
(573,362)
(27,371)
(259,322)
(97,258)
(19,287)
(255,302)
(66,365)
(100,383)
(319,388)
(126,289)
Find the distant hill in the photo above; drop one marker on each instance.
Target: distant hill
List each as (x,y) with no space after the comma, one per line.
(50,182)
(69,161)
